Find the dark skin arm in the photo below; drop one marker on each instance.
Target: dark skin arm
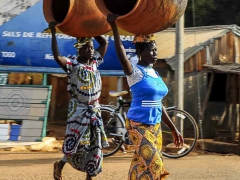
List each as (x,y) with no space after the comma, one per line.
(103,45)
(59,59)
(178,139)
(121,53)
(127,68)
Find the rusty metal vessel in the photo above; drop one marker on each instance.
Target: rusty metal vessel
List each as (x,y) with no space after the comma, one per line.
(77,18)
(144,16)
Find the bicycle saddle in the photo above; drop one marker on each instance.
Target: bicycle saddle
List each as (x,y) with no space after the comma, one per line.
(117,93)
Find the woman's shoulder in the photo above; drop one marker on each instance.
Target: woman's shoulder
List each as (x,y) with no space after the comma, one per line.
(72,60)
(136,75)
(97,59)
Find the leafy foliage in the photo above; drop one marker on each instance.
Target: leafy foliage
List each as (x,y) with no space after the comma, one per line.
(212,12)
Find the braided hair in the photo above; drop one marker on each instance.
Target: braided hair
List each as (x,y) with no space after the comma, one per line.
(81,42)
(143,41)
(140,46)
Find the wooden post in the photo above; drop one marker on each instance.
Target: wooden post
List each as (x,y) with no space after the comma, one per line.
(207,95)
(53,104)
(234,102)
(239,117)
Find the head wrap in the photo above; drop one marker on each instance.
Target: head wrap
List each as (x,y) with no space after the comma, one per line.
(82,41)
(143,38)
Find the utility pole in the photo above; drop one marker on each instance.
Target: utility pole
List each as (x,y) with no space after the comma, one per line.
(179,76)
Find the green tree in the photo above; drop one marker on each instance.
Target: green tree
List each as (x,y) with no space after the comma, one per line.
(212,12)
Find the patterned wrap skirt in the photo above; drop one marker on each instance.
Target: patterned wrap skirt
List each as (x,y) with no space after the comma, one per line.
(85,138)
(147,162)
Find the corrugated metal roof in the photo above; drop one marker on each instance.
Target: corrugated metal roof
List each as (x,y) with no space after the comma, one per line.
(194,40)
(166,40)
(224,68)
(12,8)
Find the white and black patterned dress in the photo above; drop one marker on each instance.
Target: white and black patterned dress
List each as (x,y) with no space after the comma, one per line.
(85,136)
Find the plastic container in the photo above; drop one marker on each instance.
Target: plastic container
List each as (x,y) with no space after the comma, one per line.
(4,132)
(15,132)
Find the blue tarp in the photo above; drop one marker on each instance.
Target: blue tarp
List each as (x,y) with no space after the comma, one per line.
(23,43)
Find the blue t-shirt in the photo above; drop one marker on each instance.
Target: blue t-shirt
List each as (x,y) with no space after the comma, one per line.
(147,94)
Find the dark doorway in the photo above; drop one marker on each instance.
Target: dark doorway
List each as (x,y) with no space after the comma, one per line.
(218,92)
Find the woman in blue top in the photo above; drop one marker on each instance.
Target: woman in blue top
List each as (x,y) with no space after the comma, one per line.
(146,111)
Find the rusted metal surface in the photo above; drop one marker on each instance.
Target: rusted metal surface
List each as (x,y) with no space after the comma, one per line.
(76,18)
(144,16)
(224,68)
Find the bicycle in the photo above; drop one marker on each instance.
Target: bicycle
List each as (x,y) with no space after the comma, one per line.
(114,125)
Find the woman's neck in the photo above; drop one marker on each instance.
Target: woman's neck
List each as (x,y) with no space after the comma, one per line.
(142,63)
(83,60)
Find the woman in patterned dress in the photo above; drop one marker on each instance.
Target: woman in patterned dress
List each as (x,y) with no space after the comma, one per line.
(85,136)
(146,111)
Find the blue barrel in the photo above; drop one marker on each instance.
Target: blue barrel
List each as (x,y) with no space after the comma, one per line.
(15,132)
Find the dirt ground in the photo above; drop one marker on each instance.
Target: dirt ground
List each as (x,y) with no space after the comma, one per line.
(196,166)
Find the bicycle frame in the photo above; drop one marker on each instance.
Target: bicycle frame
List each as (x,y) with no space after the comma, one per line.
(121,113)
(122,103)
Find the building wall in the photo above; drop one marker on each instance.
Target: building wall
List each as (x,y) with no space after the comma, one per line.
(60,97)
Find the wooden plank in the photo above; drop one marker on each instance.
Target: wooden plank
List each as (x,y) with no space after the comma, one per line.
(19,78)
(187,66)
(234,101)
(203,59)
(236,49)
(209,90)
(53,104)
(238,58)
(215,52)
(239,115)
(209,57)
(37,78)
(191,63)
(224,44)
(230,47)
(224,125)
(199,61)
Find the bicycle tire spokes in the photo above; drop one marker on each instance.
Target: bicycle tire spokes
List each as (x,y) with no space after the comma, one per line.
(114,129)
(187,127)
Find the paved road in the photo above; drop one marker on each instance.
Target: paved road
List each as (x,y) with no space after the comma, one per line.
(38,166)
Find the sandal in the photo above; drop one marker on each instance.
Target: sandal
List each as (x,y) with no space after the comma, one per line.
(56,174)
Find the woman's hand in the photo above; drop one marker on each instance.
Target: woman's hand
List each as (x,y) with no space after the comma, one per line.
(178,139)
(111,18)
(52,27)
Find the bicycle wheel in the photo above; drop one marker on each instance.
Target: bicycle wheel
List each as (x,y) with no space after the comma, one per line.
(187,126)
(114,127)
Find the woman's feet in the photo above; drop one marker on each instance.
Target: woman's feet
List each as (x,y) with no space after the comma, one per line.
(57,171)
(88,177)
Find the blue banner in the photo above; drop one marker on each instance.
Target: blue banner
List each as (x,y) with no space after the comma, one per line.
(23,42)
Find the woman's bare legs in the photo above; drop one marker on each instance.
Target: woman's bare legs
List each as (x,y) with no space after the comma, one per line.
(88,177)
(58,167)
